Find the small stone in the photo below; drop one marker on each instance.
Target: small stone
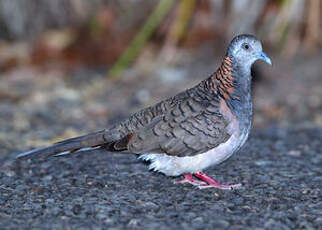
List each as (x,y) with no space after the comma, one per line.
(198,219)
(221,224)
(133,223)
(318,221)
(150,206)
(49,201)
(261,163)
(294,153)
(101,216)
(77,209)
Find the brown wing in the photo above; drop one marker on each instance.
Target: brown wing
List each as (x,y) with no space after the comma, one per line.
(193,125)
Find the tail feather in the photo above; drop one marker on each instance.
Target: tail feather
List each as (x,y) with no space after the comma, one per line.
(68,146)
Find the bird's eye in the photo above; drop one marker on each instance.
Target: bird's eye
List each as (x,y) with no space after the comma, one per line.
(246,46)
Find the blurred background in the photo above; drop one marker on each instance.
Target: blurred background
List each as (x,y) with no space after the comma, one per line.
(68,67)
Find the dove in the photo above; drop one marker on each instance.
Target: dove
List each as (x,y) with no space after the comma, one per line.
(190,132)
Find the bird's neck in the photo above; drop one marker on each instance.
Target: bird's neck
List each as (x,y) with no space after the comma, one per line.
(232,82)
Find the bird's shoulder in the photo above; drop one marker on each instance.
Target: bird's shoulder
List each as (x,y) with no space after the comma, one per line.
(187,102)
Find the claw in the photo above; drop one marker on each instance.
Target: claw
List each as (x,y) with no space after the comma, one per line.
(188,178)
(221,186)
(212,183)
(205,182)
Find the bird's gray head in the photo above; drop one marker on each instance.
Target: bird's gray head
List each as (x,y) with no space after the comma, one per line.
(246,49)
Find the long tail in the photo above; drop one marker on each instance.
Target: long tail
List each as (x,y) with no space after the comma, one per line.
(69,145)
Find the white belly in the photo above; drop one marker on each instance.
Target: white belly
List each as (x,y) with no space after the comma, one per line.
(175,166)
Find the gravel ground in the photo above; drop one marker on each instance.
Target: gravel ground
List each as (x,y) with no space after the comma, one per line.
(280,165)
(280,170)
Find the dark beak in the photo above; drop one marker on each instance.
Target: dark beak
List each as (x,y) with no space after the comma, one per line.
(262,56)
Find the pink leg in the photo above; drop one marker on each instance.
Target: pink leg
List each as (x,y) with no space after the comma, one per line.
(188,178)
(212,183)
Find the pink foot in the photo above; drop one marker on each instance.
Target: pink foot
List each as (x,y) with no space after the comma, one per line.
(188,178)
(212,183)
